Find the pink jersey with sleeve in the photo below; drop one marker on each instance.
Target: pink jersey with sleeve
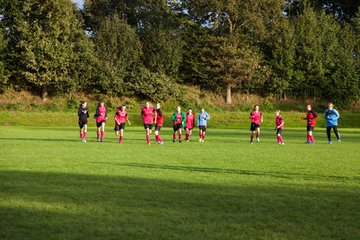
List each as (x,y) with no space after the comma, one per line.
(190,118)
(255,117)
(101,114)
(121,116)
(178,119)
(279,121)
(147,115)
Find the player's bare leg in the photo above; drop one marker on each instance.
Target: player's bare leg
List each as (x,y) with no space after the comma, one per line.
(258,134)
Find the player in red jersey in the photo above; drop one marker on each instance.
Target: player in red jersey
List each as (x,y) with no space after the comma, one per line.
(101,117)
(310,118)
(189,124)
(121,117)
(178,119)
(159,122)
(83,115)
(256,118)
(147,117)
(279,127)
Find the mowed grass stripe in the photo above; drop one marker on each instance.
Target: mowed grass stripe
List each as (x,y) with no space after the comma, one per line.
(55,187)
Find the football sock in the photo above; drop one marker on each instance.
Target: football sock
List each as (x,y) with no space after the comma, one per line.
(174,136)
(180,136)
(281,139)
(257,135)
(186,136)
(278,139)
(312,138)
(102,135)
(84,135)
(120,139)
(160,139)
(147,138)
(308,138)
(200,134)
(98,134)
(81,135)
(203,136)
(252,137)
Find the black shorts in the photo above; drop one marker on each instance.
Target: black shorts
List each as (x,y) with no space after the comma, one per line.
(310,128)
(157,128)
(99,123)
(188,129)
(119,127)
(279,131)
(254,126)
(202,128)
(82,124)
(148,126)
(177,127)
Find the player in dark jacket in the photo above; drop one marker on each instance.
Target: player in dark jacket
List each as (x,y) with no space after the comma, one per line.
(83,115)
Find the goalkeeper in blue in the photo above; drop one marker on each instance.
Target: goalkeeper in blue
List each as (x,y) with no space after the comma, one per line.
(331,117)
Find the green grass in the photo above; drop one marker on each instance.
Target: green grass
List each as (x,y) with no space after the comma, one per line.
(55,187)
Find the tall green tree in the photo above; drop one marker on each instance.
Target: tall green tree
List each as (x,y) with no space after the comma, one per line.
(45,39)
(119,50)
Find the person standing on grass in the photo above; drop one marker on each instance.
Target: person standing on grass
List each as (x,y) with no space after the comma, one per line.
(101,117)
(120,117)
(256,119)
(279,127)
(202,119)
(178,119)
(189,124)
(332,116)
(310,118)
(159,122)
(83,115)
(147,117)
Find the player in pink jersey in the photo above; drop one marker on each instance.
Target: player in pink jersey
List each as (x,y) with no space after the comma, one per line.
(279,127)
(189,124)
(101,117)
(256,118)
(159,122)
(148,120)
(178,119)
(121,117)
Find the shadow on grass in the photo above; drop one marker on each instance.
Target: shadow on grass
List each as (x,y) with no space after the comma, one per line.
(38,205)
(235,171)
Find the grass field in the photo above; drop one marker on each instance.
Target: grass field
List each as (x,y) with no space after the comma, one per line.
(55,187)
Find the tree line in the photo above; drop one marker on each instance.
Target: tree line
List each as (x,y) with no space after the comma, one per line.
(151,48)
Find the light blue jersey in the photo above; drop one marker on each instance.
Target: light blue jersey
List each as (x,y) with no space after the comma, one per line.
(202,119)
(331,117)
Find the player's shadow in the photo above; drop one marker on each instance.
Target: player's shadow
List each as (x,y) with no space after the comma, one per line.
(40,139)
(303,176)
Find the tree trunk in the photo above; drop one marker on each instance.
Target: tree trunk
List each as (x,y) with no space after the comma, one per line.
(285,97)
(228,95)
(44,93)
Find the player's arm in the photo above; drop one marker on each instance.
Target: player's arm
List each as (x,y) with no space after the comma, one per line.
(173,117)
(127,119)
(207,116)
(282,123)
(116,114)
(336,114)
(261,117)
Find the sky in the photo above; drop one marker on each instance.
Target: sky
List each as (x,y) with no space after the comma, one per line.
(79,2)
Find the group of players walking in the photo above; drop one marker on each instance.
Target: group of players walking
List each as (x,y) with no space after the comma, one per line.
(154,116)
(150,116)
